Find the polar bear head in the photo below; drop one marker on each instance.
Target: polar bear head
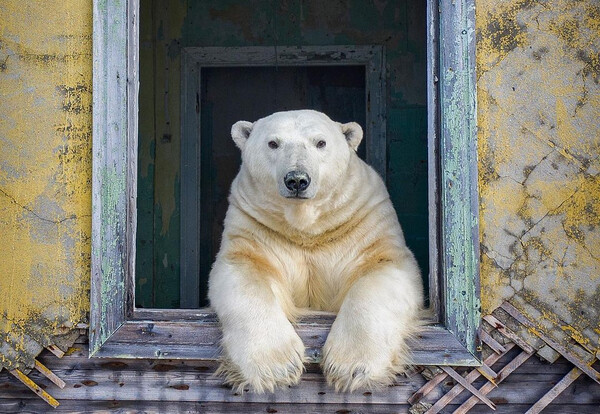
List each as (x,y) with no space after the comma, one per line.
(299,154)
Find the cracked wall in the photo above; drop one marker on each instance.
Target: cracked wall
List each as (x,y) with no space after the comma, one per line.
(45,173)
(539,140)
(538,103)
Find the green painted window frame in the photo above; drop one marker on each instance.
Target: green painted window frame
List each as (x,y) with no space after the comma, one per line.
(119,330)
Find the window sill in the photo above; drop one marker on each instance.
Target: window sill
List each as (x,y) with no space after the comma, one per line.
(195,334)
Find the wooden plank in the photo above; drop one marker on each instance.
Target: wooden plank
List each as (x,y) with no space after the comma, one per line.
(35,406)
(500,327)
(433,159)
(491,342)
(375,101)
(144,252)
(465,384)
(49,374)
(132,25)
(166,380)
(216,56)
(35,388)
(562,385)
(459,198)
(588,370)
(197,340)
(204,386)
(488,373)
(110,190)
(458,388)
(190,179)
(55,350)
(486,388)
(427,388)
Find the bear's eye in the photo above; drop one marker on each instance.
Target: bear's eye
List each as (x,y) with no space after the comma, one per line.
(321,144)
(273,145)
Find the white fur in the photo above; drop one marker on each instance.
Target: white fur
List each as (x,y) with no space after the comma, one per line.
(341,249)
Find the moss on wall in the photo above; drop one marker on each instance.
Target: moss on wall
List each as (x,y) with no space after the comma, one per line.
(539,142)
(45,172)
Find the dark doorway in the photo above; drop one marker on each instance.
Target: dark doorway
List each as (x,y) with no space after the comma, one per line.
(250,93)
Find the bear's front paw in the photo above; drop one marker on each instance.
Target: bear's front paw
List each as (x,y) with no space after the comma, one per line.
(263,365)
(350,365)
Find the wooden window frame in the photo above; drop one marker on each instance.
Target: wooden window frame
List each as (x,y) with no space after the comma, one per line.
(119,330)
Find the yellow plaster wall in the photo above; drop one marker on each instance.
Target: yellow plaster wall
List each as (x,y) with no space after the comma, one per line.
(45,171)
(539,141)
(538,103)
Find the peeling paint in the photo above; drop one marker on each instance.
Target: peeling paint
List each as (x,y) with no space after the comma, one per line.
(539,141)
(45,159)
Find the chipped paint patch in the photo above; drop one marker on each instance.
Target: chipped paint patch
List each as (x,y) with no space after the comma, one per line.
(45,155)
(539,140)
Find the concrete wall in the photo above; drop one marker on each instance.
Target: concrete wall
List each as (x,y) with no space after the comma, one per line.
(45,171)
(539,142)
(539,106)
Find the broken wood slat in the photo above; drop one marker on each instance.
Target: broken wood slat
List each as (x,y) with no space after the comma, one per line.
(486,388)
(469,387)
(49,374)
(35,388)
(488,373)
(507,332)
(55,350)
(491,342)
(470,377)
(562,385)
(426,388)
(514,312)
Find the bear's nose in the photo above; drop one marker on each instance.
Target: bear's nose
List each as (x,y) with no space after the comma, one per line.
(297,181)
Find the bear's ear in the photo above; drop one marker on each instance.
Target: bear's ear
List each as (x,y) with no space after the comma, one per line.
(353,133)
(240,131)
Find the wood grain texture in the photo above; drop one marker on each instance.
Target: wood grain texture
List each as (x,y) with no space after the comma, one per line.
(84,406)
(458,388)
(134,384)
(436,294)
(42,369)
(25,380)
(488,386)
(467,385)
(200,340)
(458,165)
(562,385)
(190,179)
(110,171)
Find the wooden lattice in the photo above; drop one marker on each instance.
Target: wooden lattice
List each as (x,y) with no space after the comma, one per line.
(29,383)
(493,327)
(503,333)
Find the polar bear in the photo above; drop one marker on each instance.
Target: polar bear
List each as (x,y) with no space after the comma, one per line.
(311,226)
